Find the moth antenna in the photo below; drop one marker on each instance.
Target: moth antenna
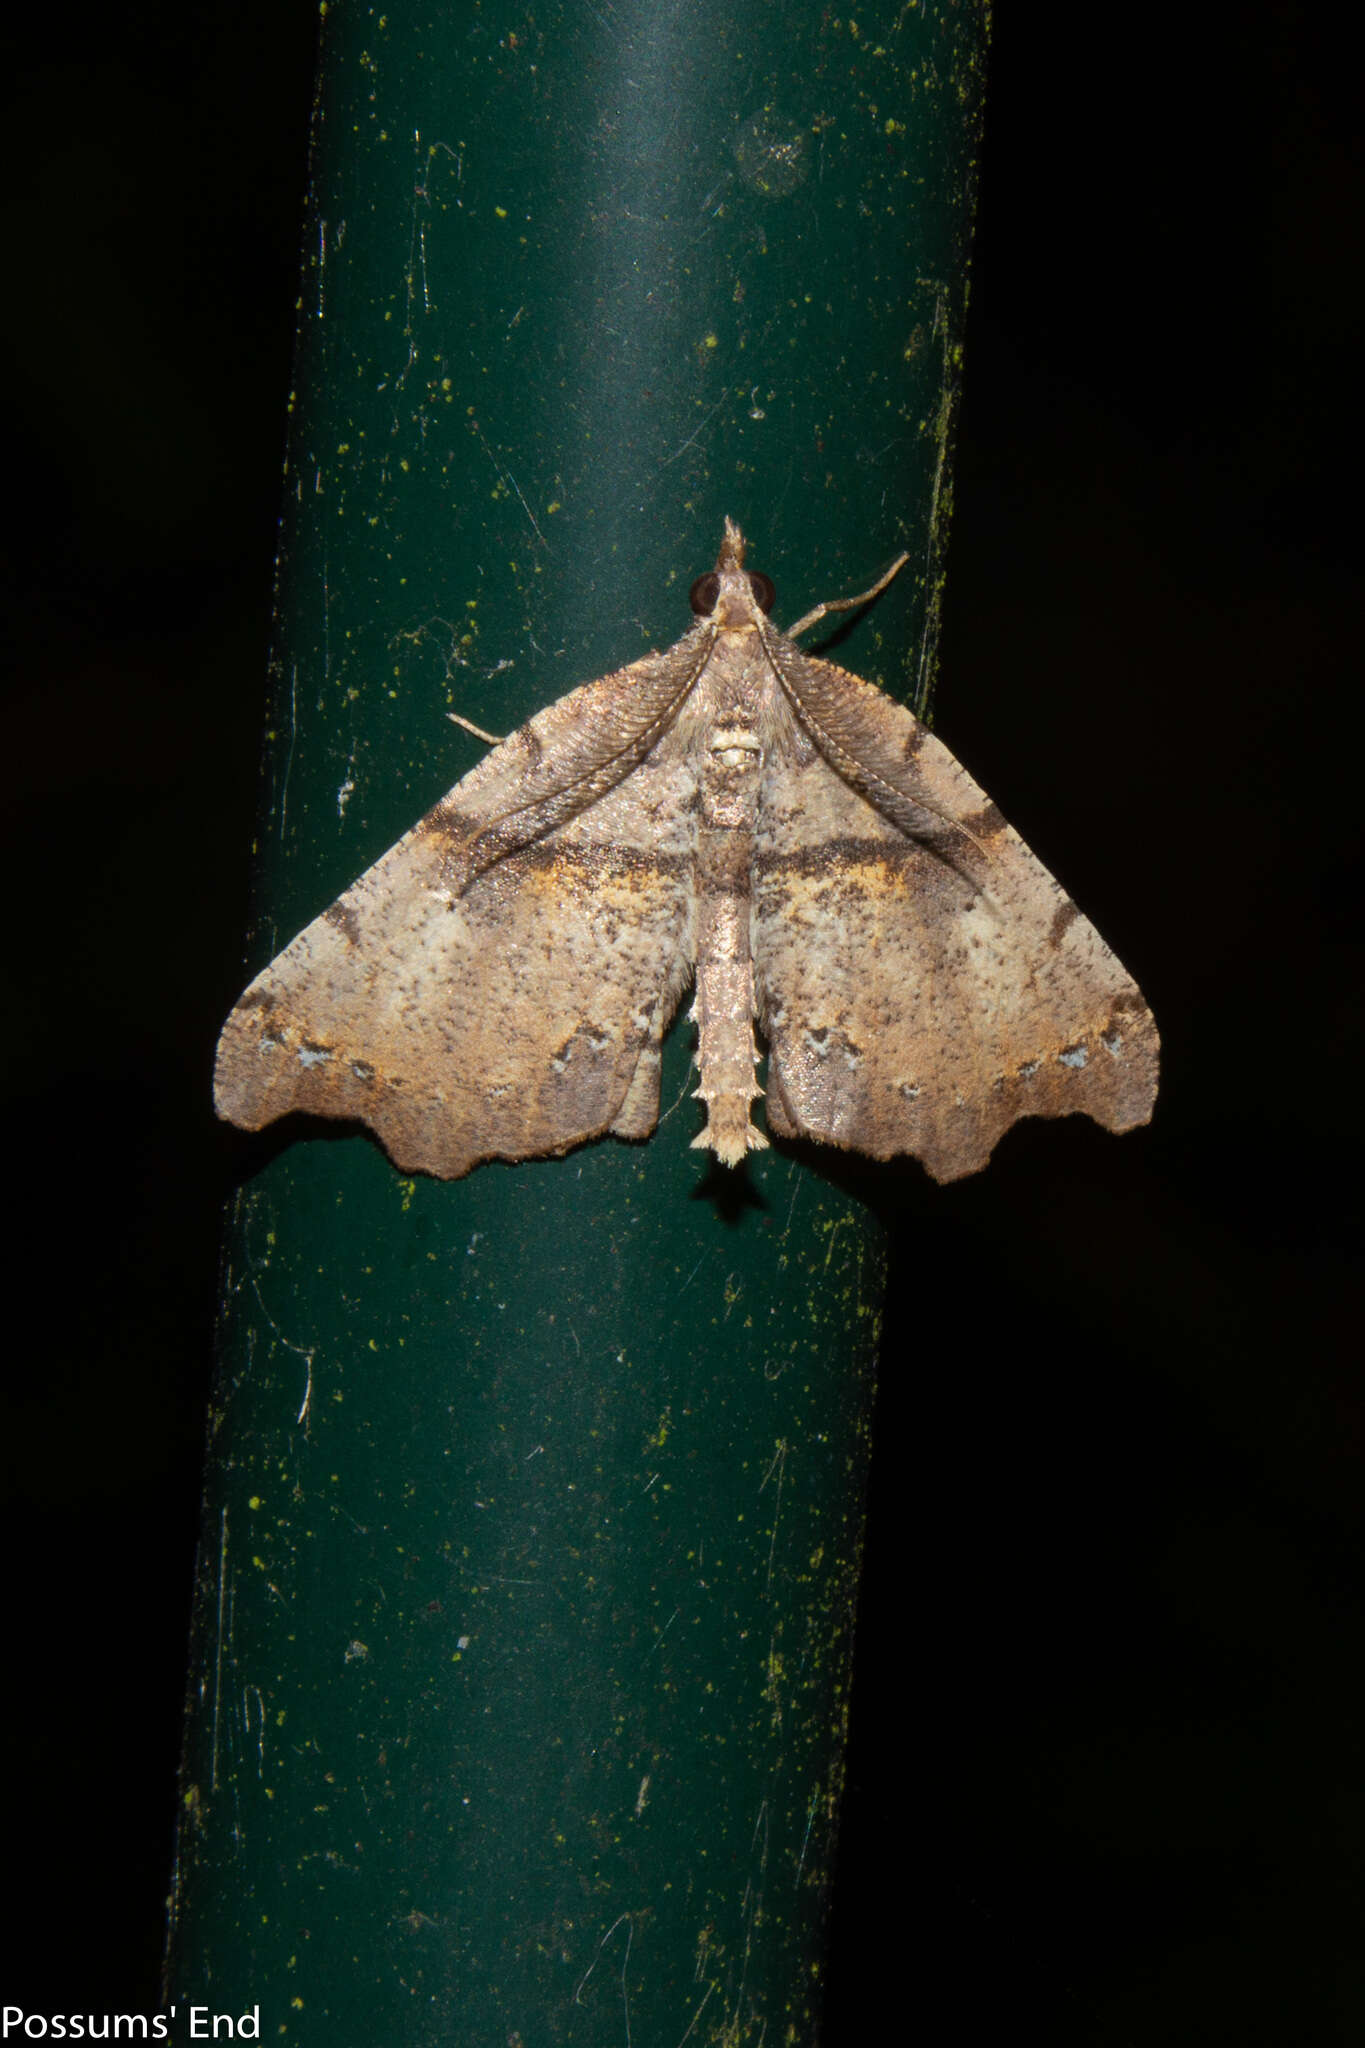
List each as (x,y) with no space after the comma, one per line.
(494,739)
(848,604)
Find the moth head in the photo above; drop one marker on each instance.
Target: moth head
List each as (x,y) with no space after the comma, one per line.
(732,595)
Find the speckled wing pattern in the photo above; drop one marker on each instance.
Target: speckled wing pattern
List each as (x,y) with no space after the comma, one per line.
(497,985)
(922,984)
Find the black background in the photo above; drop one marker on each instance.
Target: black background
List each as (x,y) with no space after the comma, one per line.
(1106,1777)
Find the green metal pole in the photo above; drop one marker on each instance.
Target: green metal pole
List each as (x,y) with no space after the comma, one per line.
(523,1622)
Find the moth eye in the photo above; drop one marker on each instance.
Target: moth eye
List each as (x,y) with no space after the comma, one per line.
(703,594)
(764,594)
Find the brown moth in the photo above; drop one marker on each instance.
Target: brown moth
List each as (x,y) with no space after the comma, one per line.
(731,813)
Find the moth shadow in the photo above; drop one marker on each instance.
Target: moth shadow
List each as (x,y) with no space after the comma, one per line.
(887,1188)
(249,1153)
(827,644)
(730,1190)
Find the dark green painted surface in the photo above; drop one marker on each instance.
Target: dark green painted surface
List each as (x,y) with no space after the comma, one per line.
(522,1639)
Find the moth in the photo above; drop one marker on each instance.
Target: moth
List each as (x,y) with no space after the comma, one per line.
(734,815)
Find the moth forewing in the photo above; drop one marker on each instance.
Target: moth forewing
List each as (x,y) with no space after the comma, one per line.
(510,1018)
(919,999)
(565,758)
(732,812)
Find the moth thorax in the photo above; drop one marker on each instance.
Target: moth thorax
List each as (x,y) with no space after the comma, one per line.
(729,791)
(735,746)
